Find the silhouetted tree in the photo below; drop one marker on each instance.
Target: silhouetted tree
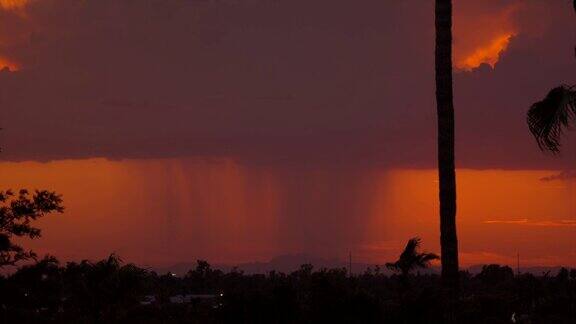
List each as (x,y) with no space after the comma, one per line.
(446,167)
(411,258)
(17,212)
(495,273)
(203,278)
(105,289)
(547,119)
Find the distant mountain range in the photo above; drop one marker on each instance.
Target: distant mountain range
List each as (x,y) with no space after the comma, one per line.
(292,262)
(284,263)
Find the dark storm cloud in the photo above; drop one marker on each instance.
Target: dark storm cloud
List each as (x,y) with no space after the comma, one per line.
(266,81)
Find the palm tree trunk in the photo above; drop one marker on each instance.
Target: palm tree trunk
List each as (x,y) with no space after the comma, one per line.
(446,168)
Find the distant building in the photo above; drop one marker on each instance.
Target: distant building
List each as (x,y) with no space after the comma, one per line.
(184,299)
(148,300)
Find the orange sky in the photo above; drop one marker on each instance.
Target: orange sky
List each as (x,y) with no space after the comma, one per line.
(164,211)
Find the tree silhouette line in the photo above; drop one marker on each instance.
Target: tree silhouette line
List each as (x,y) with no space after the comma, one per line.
(109,291)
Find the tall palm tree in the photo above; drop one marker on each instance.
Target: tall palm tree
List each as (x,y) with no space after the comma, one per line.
(548,118)
(446,168)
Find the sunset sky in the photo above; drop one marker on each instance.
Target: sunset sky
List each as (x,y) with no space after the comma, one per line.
(240,130)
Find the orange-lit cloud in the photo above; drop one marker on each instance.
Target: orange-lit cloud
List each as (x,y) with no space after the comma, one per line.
(8,64)
(16,6)
(525,221)
(486,54)
(13,4)
(562,176)
(513,221)
(482,33)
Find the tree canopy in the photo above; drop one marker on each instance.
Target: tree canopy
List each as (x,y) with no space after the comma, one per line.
(17,213)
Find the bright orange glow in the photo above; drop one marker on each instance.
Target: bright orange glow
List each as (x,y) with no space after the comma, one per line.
(486,54)
(482,32)
(156,211)
(7,64)
(500,213)
(13,4)
(167,211)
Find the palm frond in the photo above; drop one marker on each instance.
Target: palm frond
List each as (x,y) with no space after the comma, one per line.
(424,259)
(548,118)
(411,248)
(411,258)
(392,266)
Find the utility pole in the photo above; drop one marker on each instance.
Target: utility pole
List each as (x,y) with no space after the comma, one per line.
(518,265)
(350,265)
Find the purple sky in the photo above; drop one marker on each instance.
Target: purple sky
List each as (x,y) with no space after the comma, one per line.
(273,81)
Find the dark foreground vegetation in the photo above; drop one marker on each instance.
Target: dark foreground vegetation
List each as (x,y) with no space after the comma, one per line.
(110,292)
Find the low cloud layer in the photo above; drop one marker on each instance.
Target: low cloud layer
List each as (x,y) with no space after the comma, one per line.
(529,222)
(563,176)
(274,81)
